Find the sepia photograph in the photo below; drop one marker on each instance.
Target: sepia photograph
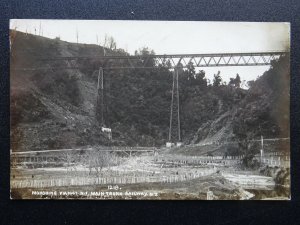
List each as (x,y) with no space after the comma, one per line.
(149,110)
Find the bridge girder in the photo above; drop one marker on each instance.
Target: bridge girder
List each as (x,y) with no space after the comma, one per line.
(182,60)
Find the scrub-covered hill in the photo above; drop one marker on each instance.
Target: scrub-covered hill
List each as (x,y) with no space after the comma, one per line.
(55,107)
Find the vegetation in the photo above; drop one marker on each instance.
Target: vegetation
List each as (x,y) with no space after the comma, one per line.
(236,82)
(264,111)
(137,101)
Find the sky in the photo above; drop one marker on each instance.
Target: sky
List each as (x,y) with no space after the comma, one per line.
(172,37)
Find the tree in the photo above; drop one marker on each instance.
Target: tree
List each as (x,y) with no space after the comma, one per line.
(145,51)
(97,160)
(231,82)
(200,79)
(191,73)
(69,160)
(217,80)
(109,42)
(237,81)
(246,147)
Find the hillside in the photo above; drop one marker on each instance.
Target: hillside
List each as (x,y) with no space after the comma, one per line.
(54,107)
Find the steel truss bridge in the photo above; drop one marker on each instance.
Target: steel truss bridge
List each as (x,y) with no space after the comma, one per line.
(181,60)
(169,61)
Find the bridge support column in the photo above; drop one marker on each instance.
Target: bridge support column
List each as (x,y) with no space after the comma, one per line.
(174,129)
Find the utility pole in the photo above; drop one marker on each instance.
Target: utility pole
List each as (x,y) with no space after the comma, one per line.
(100,97)
(262,148)
(262,145)
(100,105)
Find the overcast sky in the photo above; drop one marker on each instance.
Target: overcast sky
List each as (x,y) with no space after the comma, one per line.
(172,37)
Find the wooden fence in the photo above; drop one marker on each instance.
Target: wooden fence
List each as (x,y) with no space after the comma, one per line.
(200,160)
(82,181)
(280,161)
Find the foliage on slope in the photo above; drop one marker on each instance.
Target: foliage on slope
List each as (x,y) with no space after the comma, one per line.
(137,102)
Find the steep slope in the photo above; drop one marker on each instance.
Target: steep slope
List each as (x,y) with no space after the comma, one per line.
(262,110)
(55,107)
(51,107)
